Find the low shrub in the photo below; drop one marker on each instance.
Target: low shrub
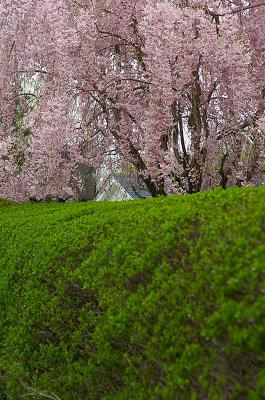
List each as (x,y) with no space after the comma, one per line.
(4,203)
(151,299)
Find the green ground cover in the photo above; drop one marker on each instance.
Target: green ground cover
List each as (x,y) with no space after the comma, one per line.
(151,299)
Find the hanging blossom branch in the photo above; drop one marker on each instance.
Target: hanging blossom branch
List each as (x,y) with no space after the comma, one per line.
(197,122)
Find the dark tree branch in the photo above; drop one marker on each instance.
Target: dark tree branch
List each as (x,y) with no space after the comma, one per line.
(238,10)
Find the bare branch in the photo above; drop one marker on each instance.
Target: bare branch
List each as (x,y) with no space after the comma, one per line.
(34,392)
(238,10)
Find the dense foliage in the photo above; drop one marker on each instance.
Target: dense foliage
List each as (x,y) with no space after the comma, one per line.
(151,299)
(174,90)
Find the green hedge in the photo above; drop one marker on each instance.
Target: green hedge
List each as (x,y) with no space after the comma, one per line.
(4,203)
(150,299)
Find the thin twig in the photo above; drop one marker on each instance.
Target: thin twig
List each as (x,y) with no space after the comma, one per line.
(34,392)
(238,10)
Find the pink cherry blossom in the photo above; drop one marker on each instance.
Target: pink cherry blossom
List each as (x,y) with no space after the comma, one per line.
(172,90)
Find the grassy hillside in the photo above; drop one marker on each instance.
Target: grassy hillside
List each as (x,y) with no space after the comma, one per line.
(152,299)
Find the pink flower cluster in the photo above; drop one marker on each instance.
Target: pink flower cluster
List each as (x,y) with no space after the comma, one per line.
(174,91)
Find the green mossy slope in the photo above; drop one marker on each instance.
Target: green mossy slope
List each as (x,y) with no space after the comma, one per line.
(152,299)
